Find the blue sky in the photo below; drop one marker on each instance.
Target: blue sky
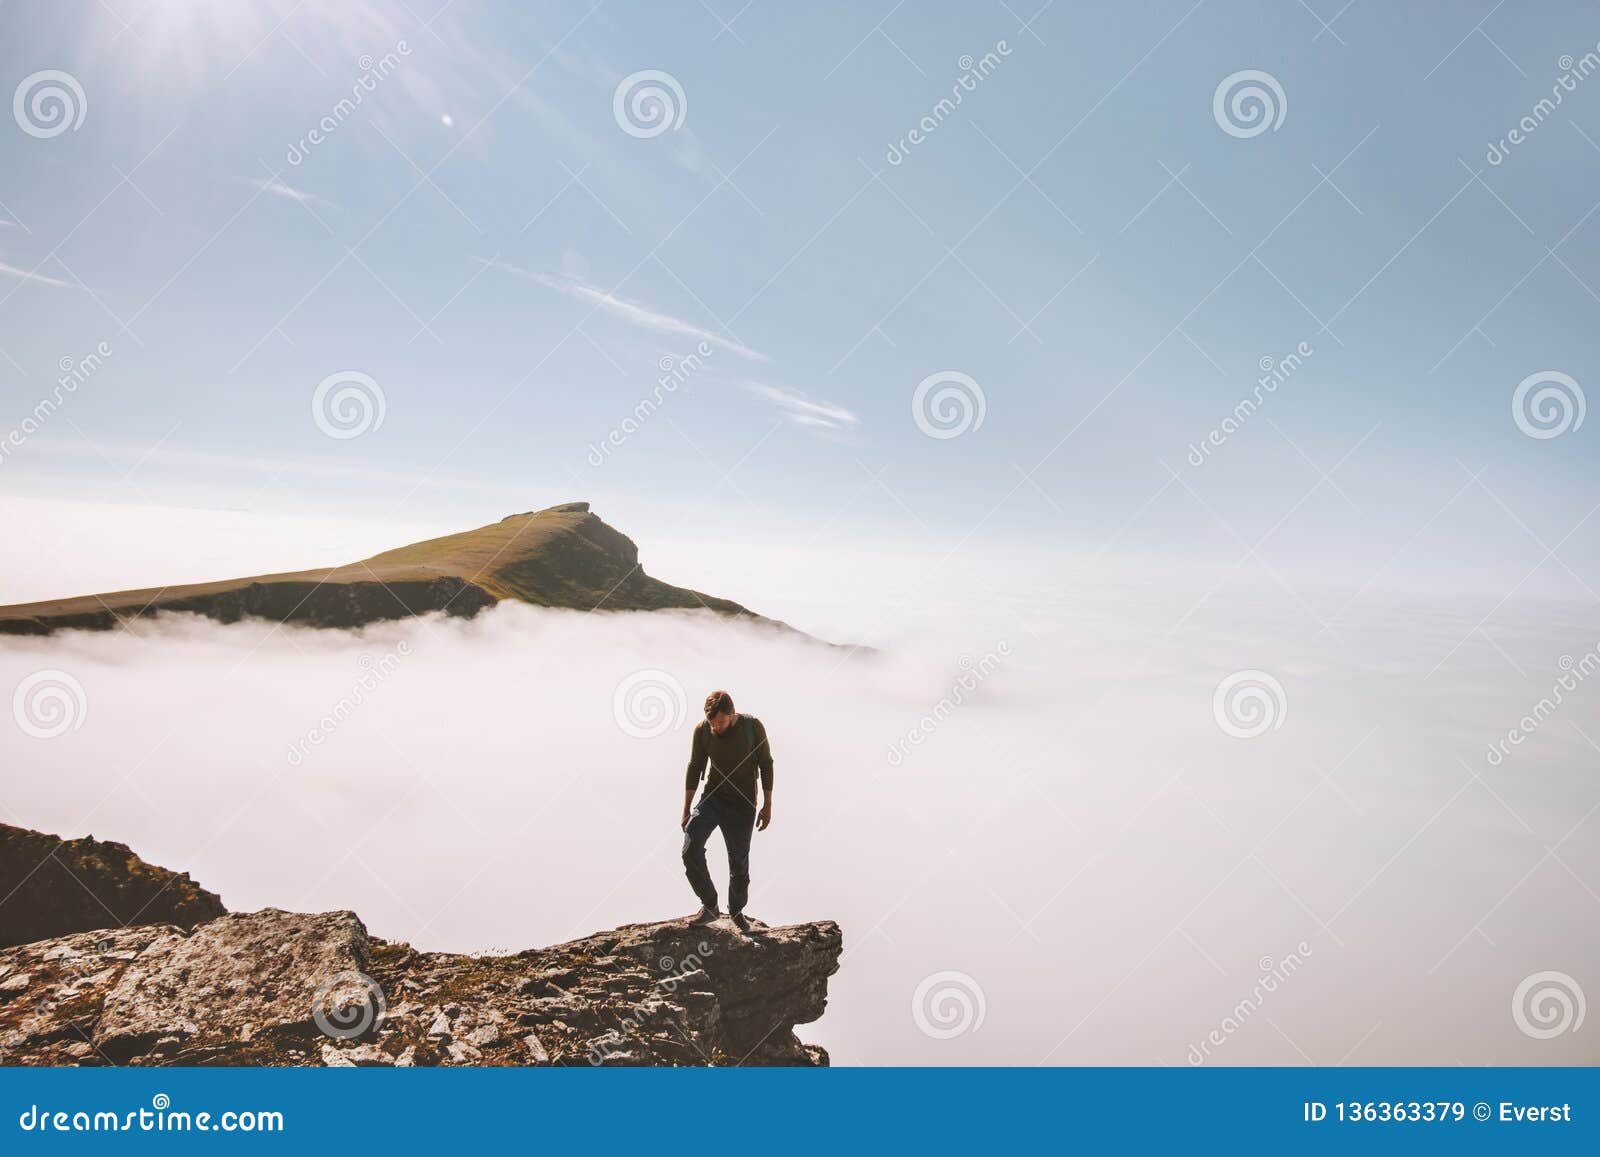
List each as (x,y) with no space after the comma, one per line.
(495,251)
(1080,237)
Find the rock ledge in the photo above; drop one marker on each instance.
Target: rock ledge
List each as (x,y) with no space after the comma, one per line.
(290,988)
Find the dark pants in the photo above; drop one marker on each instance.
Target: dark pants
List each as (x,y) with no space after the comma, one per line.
(738,823)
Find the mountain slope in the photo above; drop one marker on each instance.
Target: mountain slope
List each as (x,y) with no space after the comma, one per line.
(561,557)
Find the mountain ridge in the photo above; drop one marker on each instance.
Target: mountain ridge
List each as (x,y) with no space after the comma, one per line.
(563,556)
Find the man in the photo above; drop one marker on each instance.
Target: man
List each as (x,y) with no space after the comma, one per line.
(735,747)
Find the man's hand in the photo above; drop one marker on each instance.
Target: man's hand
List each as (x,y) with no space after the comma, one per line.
(683,821)
(764,819)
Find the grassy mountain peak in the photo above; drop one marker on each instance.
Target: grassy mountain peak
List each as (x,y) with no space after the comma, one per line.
(563,556)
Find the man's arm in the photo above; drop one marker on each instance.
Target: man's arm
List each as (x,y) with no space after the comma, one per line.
(764,765)
(691,776)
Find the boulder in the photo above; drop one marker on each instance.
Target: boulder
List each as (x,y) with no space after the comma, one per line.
(240,978)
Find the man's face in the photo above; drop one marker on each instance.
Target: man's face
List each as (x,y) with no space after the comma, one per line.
(721,723)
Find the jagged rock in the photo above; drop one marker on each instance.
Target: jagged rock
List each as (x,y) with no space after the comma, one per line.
(287,988)
(364,1056)
(244,989)
(57,1006)
(551,1008)
(50,887)
(269,970)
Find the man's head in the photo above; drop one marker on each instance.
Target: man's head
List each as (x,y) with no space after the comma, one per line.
(719,711)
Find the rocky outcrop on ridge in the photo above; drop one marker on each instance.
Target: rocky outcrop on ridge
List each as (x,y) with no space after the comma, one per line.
(289,988)
(54,887)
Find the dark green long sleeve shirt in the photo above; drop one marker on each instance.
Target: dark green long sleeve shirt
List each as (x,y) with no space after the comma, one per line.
(735,757)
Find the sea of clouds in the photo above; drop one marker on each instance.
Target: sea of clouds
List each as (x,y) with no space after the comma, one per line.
(1046,833)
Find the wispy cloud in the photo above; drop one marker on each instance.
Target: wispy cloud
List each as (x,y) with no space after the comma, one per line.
(288,192)
(29,275)
(803,411)
(630,311)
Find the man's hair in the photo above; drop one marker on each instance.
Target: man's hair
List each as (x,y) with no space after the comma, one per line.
(718,703)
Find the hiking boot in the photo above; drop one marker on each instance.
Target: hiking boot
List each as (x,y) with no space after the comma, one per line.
(704,916)
(740,921)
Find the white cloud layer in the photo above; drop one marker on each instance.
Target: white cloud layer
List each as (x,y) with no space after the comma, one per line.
(1077,834)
